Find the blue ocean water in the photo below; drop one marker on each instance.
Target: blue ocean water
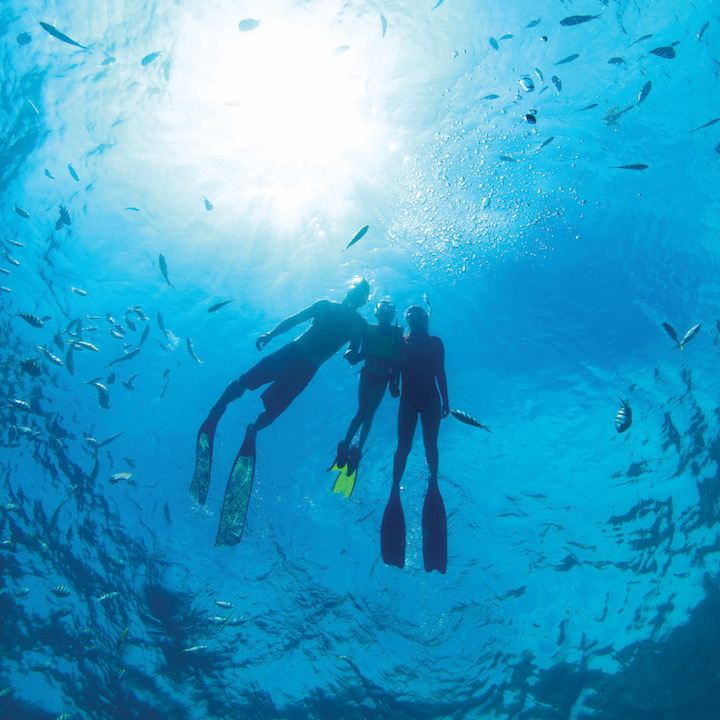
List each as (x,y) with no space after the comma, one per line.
(545,173)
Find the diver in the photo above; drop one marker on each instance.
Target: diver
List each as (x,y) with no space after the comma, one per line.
(289,369)
(422,374)
(380,348)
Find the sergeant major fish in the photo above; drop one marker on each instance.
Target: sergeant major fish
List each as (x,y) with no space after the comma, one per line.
(623,419)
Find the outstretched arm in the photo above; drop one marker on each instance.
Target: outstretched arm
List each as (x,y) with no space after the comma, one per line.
(288,324)
(357,350)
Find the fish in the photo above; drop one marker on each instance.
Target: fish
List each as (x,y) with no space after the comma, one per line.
(145,335)
(546,142)
(644,37)
(49,174)
(122,637)
(635,166)
(65,215)
(557,82)
(106,596)
(70,360)
(130,323)
(127,356)
(12,260)
(490,97)
(84,345)
(224,604)
(5,289)
(129,383)
(689,335)
(507,37)
(60,591)
(164,269)
(16,243)
(698,36)
(108,61)
(31,367)
(623,419)
(196,648)
(568,59)
(616,61)
(437,5)
(217,306)
(508,158)
(670,330)
(117,477)
(469,420)
(248,24)
(21,592)
(134,209)
(611,118)
(78,291)
(73,174)
(161,324)
(644,92)
(526,84)
(667,52)
(31,319)
(707,124)
(103,394)
(22,212)
(4,271)
(110,439)
(532,24)
(149,58)
(191,350)
(531,118)
(208,205)
(60,36)
(50,356)
(358,235)
(19,404)
(577,20)
(494,44)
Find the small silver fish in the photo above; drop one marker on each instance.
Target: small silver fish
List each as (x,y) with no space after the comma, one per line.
(703,29)
(568,59)
(248,24)
(106,596)
(623,419)
(557,83)
(689,335)
(50,356)
(22,212)
(149,58)
(224,604)
(217,306)
(73,174)
(616,61)
(191,350)
(644,92)
(358,235)
(635,166)
(577,19)
(469,420)
(117,477)
(164,269)
(195,649)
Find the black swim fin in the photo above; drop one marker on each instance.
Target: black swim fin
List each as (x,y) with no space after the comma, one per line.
(392,531)
(237,494)
(434,527)
(203,459)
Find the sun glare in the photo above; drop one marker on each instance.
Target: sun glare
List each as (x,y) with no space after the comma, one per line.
(282,107)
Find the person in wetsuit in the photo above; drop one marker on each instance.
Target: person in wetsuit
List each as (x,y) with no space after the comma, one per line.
(379,350)
(291,368)
(424,395)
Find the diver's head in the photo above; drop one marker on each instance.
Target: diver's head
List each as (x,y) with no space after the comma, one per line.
(358,293)
(385,312)
(416,318)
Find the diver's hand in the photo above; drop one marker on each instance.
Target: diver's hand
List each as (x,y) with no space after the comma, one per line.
(263,340)
(394,389)
(352,356)
(445,411)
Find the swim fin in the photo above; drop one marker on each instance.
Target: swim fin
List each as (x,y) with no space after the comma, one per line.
(345,482)
(237,494)
(434,527)
(203,459)
(341,460)
(392,531)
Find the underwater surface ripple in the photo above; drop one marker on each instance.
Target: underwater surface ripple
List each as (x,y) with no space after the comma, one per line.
(545,174)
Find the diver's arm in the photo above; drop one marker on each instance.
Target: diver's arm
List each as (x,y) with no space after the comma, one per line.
(288,324)
(357,350)
(442,379)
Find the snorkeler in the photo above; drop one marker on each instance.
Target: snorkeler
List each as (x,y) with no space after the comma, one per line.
(380,348)
(289,369)
(422,373)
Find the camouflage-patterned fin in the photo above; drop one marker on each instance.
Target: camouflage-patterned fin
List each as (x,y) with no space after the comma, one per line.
(203,460)
(434,527)
(237,495)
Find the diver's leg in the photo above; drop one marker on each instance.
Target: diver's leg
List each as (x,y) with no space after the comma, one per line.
(430,418)
(407,422)
(232,392)
(375,395)
(357,421)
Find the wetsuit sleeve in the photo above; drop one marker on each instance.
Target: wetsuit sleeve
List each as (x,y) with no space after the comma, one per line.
(441,377)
